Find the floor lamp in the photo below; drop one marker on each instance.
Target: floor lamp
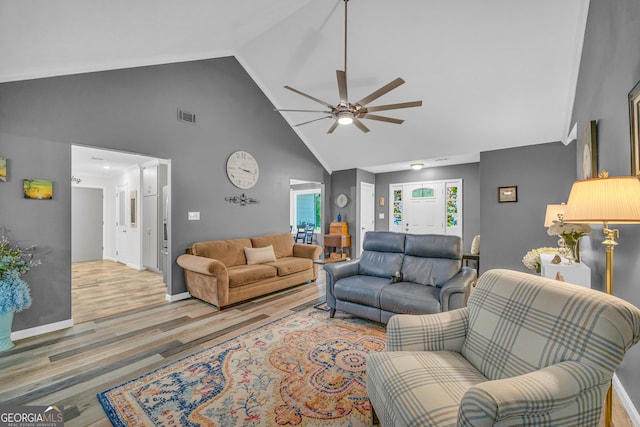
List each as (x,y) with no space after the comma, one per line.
(605,201)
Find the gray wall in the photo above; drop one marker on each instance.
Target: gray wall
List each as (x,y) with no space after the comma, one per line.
(344,181)
(46,223)
(470,193)
(543,174)
(135,110)
(609,68)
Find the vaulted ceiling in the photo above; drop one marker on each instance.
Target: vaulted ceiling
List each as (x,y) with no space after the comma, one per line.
(491,73)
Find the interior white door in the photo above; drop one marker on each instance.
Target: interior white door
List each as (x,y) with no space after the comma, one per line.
(367,210)
(424,208)
(121,223)
(86,224)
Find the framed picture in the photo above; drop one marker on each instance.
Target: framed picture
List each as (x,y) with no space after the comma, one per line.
(508,194)
(634,120)
(590,151)
(38,189)
(133,212)
(3,169)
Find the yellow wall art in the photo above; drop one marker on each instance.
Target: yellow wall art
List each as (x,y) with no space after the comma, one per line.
(38,189)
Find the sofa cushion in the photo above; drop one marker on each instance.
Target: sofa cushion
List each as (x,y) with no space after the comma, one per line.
(290,265)
(241,275)
(429,271)
(361,289)
(423,388)
(433,246)
(380,264)
(259,255)
(229,252)
(282,243)
(410,298)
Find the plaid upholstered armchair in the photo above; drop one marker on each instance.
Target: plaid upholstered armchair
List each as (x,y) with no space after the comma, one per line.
(526,351)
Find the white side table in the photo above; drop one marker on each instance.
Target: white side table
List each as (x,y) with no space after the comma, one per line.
(577,273)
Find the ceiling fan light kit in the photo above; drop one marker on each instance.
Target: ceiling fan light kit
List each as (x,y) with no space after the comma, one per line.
(345,112)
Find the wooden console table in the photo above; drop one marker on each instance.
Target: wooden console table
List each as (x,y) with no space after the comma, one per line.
(338,243)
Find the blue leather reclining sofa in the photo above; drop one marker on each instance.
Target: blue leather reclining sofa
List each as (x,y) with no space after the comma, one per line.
(400,273)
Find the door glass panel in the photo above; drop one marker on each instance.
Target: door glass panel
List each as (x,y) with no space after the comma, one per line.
(420,193)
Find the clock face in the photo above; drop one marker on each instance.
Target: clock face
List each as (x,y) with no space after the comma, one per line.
(242,170)
(342,200)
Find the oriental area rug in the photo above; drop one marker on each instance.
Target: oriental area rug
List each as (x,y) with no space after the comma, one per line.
(302,370)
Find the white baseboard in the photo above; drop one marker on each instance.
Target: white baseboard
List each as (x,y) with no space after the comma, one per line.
(39,330)
(626,401)
(177,297)
(135,266)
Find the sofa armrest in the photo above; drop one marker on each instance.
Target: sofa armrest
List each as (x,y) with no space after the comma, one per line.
(458,284)
(336,271)
(444,331)
(306,251)
(206,266)
(566,393)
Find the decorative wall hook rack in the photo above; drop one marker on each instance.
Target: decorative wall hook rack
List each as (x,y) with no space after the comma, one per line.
(242,200)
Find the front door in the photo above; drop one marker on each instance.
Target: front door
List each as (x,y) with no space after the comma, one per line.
(423,208)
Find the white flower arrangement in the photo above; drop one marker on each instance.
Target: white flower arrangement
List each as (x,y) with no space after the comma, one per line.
(532,259)
(568,230)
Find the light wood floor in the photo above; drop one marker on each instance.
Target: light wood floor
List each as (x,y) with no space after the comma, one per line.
(105,288)
(124,341)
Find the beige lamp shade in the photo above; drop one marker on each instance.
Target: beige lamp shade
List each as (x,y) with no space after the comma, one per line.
(554,213)
(613,200)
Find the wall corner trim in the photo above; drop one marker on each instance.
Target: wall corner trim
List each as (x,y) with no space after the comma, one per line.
(177,297)
(626,401)
(40,330)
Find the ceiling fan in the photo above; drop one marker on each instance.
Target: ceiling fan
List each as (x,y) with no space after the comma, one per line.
(345,112)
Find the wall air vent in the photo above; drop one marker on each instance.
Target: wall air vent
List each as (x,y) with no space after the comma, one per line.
(185,116)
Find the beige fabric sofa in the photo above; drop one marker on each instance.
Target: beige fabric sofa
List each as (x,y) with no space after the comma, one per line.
(217,271)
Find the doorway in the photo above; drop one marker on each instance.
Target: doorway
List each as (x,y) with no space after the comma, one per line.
(306,210)
(367,210)
(119,214)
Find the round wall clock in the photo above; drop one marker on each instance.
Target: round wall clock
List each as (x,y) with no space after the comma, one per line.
(242,169)
(342,200)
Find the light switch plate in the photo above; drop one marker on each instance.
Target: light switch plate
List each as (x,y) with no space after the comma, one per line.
(380,216)
(194,216)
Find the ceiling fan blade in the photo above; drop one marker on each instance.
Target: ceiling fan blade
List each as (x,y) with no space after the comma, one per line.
(382,119)
(378,93)
(314,120)
(360,125)
(319,101)
(342,85)
(303,111)
(333,127)
(392,106)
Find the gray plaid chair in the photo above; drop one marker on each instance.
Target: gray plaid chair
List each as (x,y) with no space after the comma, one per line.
(526,351)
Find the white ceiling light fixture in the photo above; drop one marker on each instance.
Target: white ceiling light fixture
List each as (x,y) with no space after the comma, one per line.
(417,166)
(345,112)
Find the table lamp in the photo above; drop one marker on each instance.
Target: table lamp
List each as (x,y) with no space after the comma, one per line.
(554,213)
(605,201)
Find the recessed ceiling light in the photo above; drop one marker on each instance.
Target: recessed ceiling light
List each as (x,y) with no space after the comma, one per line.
(417,166)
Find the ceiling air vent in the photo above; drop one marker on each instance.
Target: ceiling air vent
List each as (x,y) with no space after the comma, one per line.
(185,116)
